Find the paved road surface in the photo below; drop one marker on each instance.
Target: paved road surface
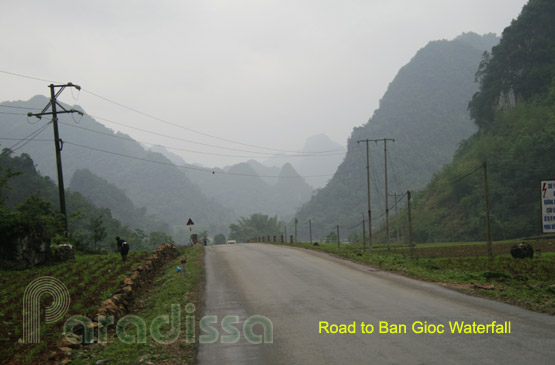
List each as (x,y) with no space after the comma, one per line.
(297,288)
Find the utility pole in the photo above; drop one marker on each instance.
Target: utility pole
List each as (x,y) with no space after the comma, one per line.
(285,233)
(363,234)
(296,221)
(396,217)
(58,143)
(488,226)
(310,229)
(411,245)
(338,245)
(386,190)
(368,185)
(386,193)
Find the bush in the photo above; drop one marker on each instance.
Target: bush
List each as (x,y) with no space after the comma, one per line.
(219,239)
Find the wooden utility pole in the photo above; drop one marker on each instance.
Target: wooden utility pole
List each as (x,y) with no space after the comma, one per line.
(338,245)
(411,245)
(368,185)
(396,217)
(386,193)
(296,221)
(386,185)
(58,143)
(488,226)
(363,234)
(310,229)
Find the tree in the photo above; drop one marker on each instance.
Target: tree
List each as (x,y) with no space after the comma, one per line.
(97,229)
(219,239)
(158,238)
(257,225)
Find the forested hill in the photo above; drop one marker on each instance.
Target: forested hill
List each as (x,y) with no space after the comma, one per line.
(425,110)
(515,110)
(28,205)
(161,187)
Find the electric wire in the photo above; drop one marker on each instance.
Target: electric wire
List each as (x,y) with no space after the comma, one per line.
(186,128)
(20,144)
(274,155)
(188,167)
(186,150)
(162,120)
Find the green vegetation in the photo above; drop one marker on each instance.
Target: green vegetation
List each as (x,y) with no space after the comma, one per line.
(109,196)
(529,283)
(219,239)
(514,138)
(520,67)
(168,289)
(27,206)
(425,110)
(257,225)
(88,278)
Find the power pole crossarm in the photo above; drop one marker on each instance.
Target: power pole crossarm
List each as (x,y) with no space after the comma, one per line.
(58,144)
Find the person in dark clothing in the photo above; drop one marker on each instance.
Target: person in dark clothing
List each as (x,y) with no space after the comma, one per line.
(123,248)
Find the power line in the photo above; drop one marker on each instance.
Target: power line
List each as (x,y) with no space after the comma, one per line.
(17,107)
(28,138)
(186,128)
(269,155)
(28,77)
(190,151)
(498,167)
(160,119)
(273,155)
(187,166)
(10,113)
(454,180)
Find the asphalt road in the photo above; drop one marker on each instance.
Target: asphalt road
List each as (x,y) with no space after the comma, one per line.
(296,289)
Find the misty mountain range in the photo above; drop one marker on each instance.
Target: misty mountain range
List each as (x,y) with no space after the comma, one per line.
(424,110)
(96,159)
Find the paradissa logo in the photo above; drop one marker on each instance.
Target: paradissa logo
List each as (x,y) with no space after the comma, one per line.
(31,305)
(132,328)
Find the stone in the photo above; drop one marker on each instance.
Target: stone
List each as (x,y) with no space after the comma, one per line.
(522,250)
(24,252)
(62,253)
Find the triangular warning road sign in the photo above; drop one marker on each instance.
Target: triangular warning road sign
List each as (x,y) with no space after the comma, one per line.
(190,222)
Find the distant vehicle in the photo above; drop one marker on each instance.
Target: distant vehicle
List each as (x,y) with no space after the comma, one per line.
(231,242)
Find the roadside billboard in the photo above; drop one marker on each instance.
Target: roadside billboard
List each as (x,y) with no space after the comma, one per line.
(548,206)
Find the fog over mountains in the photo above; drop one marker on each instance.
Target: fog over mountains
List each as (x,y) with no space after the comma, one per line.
(157,181)
(425,111)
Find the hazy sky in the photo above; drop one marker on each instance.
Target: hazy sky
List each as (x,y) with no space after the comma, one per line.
(266,73)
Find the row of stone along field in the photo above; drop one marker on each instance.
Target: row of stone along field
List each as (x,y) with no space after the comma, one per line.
(89,279)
